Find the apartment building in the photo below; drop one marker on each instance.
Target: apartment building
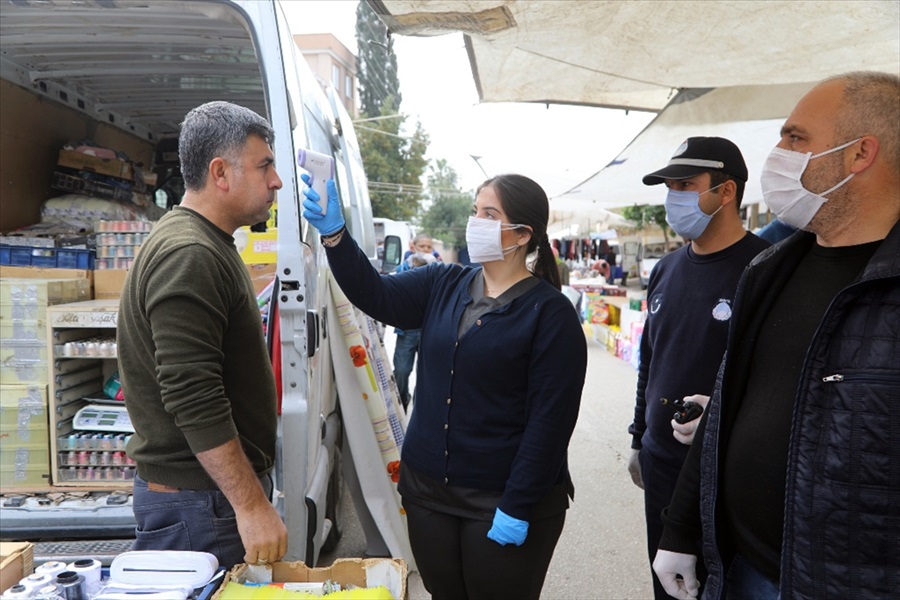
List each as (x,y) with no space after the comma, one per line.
(333,65)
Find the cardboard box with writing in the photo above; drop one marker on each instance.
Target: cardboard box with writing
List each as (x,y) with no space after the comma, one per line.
(392,573)
(16,562)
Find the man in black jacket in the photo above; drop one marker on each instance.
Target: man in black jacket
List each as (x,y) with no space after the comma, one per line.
(795,490)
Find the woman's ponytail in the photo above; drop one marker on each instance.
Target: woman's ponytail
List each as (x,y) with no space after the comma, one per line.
(545,265)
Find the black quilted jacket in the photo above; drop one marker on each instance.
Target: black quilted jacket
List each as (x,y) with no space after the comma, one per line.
(842,497)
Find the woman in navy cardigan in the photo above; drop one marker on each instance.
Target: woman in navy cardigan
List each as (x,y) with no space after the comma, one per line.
(483,474)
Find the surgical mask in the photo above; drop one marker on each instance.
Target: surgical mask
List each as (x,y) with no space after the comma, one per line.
(784,192)
(483,239)
(683,213)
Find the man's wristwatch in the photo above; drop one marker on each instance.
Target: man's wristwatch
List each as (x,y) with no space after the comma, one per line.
(330,241)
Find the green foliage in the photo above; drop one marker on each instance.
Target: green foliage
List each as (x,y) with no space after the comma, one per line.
(645,215)
(394,164)
(450,206)
(376,63)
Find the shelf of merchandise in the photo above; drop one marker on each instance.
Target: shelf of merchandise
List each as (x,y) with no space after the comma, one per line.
(82,344)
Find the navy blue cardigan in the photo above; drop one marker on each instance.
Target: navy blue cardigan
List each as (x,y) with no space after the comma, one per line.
(495,409)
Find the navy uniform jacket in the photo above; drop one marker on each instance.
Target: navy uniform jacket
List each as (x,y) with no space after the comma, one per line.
(495,409)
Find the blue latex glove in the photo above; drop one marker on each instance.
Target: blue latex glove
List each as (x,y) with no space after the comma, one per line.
(508,530)
(333,220)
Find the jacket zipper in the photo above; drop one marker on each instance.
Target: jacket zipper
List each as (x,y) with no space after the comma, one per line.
(837,378)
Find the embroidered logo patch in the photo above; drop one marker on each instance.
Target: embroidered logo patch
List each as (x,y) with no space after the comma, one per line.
(722,310)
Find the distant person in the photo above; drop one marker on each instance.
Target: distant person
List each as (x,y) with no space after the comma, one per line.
(196,374)
(407,344)
(422,244)
(483,475)
(614,270)
(690,301)
(794,491)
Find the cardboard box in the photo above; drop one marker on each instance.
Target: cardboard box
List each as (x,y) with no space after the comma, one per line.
(46,273)
(261,276)
(104,166)
(16,562)
(369,572)
(108,283)
(257,248)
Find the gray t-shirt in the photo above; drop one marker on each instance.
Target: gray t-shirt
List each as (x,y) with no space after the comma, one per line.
(481,304)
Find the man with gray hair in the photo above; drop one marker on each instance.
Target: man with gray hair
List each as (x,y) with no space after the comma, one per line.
(793,492)
(196,374)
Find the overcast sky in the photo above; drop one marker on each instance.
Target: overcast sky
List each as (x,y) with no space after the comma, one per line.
(558,146)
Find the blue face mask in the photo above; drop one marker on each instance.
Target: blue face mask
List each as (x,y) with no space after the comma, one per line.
(684,215)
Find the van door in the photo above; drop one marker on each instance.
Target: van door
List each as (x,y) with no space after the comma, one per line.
(307,397)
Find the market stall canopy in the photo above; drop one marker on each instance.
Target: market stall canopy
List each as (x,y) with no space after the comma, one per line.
(638,54)
(729,68)
(575,217)
(750,116)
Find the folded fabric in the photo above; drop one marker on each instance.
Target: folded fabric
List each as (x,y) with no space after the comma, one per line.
(174,567)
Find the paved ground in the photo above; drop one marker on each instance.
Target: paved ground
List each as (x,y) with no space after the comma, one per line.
(601,554)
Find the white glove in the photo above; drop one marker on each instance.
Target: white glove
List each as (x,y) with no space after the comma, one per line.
(677,573)
(634,468)
(684,432)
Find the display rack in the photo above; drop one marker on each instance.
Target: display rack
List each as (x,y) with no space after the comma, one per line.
(83,345)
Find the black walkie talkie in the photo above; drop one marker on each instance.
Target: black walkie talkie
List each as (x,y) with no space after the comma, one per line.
(685,411)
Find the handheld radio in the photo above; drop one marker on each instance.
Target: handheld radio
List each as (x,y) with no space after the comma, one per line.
(684,411)
(320,168)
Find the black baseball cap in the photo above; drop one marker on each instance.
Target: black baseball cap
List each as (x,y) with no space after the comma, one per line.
(698,155)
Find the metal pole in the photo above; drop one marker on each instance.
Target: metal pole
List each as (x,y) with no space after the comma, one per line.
(477,159)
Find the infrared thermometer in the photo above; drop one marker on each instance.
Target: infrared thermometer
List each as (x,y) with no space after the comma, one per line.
(320,168)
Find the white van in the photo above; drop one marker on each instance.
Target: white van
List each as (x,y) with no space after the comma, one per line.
(384,229)
(124,74)
(648,254)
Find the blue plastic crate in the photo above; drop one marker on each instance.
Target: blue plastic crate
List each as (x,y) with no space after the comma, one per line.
(53,258)
(69,258)
(20,256)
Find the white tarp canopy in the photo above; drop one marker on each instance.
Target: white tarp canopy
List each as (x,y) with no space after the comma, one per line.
(577,218)
(638,54)
(750,116)
(758,58)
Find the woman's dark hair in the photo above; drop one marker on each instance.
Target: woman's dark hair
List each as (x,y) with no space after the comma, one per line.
(526,203)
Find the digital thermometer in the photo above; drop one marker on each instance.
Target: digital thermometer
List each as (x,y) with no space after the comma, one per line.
(320,168)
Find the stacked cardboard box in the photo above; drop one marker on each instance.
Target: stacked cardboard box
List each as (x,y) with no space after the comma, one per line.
(25,365)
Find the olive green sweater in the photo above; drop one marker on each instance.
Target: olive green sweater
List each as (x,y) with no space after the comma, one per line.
(192,356)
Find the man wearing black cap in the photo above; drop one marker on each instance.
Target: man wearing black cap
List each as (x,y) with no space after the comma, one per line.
(689,300)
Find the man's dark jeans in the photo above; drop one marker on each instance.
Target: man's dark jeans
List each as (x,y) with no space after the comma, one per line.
(404,357)
(197,520)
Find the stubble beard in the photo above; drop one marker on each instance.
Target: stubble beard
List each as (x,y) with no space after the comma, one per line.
(840,211)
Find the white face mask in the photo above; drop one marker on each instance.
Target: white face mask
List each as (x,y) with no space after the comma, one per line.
(483,239)
(784,192)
